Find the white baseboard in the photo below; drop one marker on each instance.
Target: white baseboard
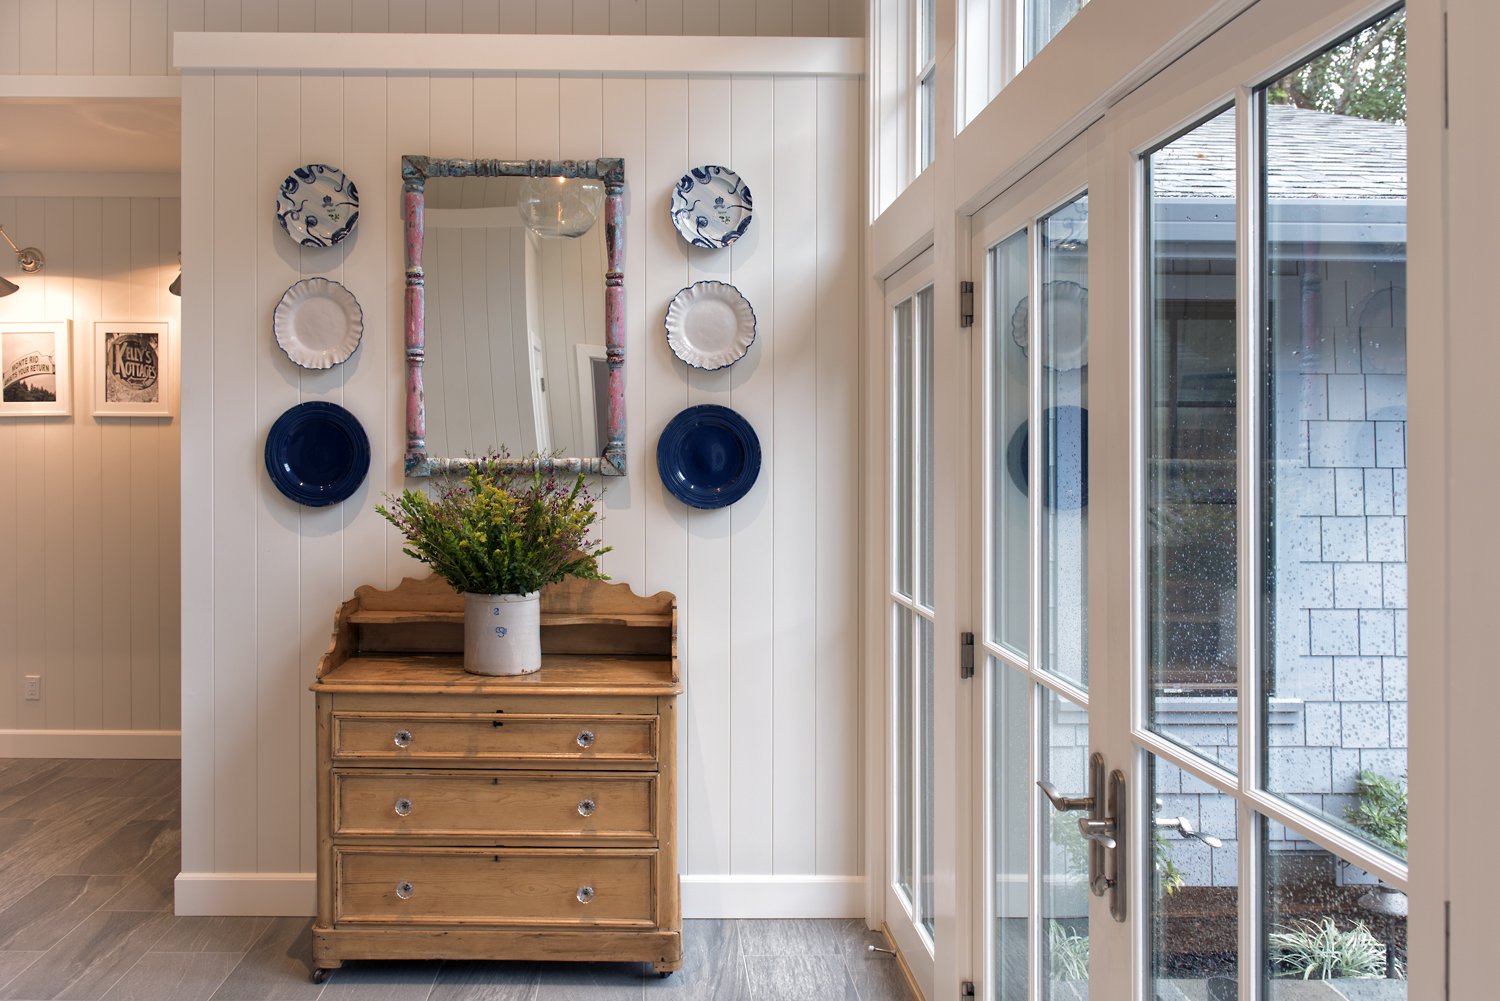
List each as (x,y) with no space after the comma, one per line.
(773,896)
(244,894)
(90,744)
(247,894)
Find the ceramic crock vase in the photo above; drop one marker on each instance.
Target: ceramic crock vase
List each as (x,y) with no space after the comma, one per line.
(503,633)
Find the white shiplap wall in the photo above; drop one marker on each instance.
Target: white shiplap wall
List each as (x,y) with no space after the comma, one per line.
(770,761)
(133,37)
(89,551)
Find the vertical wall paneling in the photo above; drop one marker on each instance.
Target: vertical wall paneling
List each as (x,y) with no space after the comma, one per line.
(407,18)
(810,19)
(793,323)
(591,17)
(75,34)
(145,483)
(710,615)
(664,17)
(322,540)
(774,17)
(520,17)
(700,17)
(298,15)
(235,478)
(149,40)
(838,565)
(56,476)
(752,114)
(88,460)
(554,18)
(623,514)
(736,18)
(85,573)
(10,37)
(445,17)
(333,16)
(771,768)
(224,15)
(112,39)
(115,444)
(169,477)
(38,36)
(627,17)
(664,272)
(278,652)
(199,536)
(371,16)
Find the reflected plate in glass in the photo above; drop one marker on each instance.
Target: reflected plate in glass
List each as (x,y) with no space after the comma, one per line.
(317,206)
(711,207)
(710,325)
(317,454)
(708,456)
(1070,433)
(318,323)
(1067,305)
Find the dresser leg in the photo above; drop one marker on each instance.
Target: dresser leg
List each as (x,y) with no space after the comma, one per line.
(320,973)
(666,969)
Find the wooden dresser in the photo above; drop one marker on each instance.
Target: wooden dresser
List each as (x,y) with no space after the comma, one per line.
(472,817)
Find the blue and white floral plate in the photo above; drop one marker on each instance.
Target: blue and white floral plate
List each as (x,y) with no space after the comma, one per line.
(711,207)
(318,206)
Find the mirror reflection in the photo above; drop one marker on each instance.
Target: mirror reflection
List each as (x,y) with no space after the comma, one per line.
(515,323)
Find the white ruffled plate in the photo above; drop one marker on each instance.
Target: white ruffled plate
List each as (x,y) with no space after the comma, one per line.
(318,323)
(710,325)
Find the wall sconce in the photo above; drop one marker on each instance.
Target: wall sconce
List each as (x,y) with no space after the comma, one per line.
(560,206)
(31,260)
(176,287)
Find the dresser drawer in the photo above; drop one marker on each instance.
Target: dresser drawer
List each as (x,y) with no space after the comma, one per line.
(486,886)
(477,737)
(494,804)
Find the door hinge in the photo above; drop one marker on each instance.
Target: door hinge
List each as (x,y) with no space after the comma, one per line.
(965,304)
(966,655)
(966,989)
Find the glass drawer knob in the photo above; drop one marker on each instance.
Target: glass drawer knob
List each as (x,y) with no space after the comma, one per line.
(403,738)
(587,808)
(404,889)
(586,738)
(403,807)
(585,894)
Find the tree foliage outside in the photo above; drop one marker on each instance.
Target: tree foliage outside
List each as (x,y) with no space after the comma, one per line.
(1363,77)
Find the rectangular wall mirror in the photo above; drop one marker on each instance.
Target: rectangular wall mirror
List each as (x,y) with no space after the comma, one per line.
(515,322)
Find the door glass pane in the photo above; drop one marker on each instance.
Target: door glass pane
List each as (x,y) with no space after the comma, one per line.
(1334,423)
(922,335)
(1190,431)
(901,700)
(1064,873)
(1329,925)
(901,370)
(1064,440)
(1194,894)
(1009,400)
(927,721)
(1010,792)
(1044,19)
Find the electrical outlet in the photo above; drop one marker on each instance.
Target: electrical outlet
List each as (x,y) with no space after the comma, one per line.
(33,688)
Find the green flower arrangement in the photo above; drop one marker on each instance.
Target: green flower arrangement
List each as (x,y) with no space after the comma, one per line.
(501,530)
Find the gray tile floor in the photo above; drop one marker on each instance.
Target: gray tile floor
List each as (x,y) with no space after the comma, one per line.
(89,849)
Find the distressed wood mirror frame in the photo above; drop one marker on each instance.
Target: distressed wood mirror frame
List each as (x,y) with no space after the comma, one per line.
(415,171)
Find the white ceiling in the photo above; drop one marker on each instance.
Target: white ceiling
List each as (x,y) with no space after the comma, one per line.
(135,135)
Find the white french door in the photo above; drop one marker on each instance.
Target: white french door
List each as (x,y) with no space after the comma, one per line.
(1188,484)
(919,811)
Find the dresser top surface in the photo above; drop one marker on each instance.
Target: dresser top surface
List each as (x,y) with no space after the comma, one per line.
(443,674)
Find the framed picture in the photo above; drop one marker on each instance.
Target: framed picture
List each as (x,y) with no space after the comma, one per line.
(133,374)
(36,369)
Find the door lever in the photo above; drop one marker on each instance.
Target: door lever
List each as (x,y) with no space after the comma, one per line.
(1100,832)
(1064,804)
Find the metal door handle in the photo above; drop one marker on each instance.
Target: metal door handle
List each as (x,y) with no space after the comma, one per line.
(1103,829)
(1064,804)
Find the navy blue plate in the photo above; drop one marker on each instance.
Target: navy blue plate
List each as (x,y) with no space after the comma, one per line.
(317,454)
(708,456)
(1069,488)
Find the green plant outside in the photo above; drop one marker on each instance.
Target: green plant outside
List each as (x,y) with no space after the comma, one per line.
(500,530)
(1380,810)
(1320,950)
(1067,953)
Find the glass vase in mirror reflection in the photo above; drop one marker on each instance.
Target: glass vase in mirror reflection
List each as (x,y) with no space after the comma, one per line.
(515,322)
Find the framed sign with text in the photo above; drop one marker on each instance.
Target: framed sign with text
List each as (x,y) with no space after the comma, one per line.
(36,370)
(133,372)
